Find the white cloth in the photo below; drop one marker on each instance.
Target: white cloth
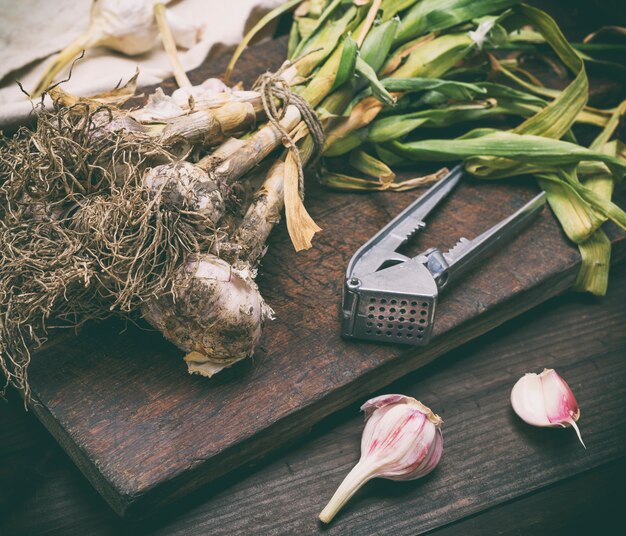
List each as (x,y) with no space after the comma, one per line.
(33,29)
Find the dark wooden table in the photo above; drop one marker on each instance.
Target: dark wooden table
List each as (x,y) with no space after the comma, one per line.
(498,476)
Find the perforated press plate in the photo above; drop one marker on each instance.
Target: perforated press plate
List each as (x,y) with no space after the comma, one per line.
(394,318)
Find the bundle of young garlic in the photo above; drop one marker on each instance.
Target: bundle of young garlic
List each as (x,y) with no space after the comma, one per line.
(102,213)
(375,71)
(384,74)
(361,78)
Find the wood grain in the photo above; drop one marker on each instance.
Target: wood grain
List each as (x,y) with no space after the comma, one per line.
(588,503)
(490,456)
(497,475)
(146,434)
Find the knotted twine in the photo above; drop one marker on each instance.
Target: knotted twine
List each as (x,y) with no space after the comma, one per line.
(273,87)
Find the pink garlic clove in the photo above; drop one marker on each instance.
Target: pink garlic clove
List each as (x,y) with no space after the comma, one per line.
(546,400)
(401,440)
(560,402)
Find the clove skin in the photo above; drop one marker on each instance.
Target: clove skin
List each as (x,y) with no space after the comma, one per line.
(402,440)
(546,400)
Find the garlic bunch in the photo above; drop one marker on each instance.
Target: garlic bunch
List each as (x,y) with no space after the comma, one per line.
(402,440)
(126,26)
(546,400)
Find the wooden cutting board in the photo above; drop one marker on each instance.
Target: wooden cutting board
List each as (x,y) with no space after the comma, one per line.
(145,433)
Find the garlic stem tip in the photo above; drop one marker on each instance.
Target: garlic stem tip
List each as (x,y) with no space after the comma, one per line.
(575,427)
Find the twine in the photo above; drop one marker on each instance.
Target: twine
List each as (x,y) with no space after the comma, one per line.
(273,87)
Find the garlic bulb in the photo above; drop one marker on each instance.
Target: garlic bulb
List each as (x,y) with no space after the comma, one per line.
(186,34)
(546,400)
(186,187)
(126,26)
(209,89)
(402,440)
(212,93)
(158,108)
(215,313)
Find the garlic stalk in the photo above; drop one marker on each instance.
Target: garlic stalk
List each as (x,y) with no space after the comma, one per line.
(205,96)
(169,44)
(126,26)
(546,400)
(402,440)
(253,150)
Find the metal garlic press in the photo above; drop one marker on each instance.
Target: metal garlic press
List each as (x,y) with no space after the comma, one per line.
(390,297)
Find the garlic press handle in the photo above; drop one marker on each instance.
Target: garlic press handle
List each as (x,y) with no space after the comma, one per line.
(469,252)
(383,245)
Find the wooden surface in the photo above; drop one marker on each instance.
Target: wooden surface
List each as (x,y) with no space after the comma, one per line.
(497,476)
(145,433)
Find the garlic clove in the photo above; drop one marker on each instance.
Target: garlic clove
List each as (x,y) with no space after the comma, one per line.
(561,406)
(528,402)
(546,400)
(401,440)
(560,402)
